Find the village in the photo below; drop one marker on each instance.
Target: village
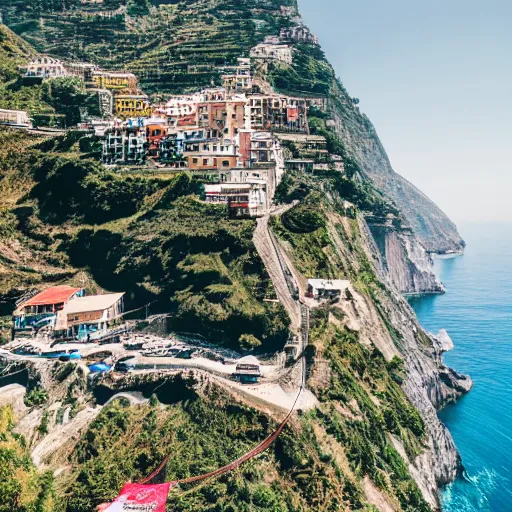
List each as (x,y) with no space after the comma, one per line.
(238,139)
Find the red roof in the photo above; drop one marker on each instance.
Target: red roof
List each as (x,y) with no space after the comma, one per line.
(54,295)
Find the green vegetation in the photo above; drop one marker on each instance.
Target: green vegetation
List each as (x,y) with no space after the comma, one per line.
(373,406)
(310,73)
(36,397)
(305,228)
(201,434)
(22,488)
(150,237)
(172,46)
(65,95)
(304,218)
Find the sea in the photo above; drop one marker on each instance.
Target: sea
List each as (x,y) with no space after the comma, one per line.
(477,313)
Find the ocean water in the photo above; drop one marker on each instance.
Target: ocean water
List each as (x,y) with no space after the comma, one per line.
(477,313)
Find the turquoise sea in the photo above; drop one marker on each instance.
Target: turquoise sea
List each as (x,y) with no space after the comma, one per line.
(477,313)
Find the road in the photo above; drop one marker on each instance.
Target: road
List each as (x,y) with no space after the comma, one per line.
(276,267)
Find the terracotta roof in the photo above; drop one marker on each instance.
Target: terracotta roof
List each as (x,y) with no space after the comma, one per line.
(54,295)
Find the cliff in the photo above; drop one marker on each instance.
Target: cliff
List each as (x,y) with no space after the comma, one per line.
(432,227)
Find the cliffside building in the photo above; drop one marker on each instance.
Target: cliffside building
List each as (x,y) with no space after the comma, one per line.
(132,105)
(44,67)
(125,143)
(41,309)
(298,34)
(116,81)
(14,118)
(279,113)
(88,317)
(326,288)
(273,51)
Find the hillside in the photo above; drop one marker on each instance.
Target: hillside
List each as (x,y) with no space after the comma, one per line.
(365,435)
(175,47)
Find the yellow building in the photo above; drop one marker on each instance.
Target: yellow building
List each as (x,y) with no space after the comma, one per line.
(132,105)
(115,81)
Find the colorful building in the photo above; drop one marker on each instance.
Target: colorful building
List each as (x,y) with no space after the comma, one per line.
(41,309)
(156,130)
(132,105)
(115,81)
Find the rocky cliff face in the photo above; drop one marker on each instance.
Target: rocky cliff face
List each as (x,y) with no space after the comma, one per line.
(429,384)
(406,261)
(432,227)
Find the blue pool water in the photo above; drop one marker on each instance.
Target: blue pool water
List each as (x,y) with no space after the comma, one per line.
(477,313)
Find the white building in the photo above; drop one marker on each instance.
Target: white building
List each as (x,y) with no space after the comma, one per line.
(243,199)
(14,117)
(326,288)
(273,51)
(44,67)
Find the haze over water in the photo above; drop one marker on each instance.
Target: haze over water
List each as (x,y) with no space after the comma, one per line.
(477,313)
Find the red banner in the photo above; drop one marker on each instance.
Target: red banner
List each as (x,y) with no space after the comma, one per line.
(139,498)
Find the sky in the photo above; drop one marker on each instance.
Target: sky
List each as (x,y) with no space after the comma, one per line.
(435,78)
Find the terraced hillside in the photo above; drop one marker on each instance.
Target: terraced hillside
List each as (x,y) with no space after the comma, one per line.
(171,46)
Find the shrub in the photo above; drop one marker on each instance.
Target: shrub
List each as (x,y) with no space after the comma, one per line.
(249,342)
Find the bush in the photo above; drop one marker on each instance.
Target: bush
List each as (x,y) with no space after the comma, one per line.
(303,218)
(249,342)
(36,397)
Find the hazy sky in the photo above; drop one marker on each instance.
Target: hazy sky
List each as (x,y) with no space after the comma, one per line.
(435,78)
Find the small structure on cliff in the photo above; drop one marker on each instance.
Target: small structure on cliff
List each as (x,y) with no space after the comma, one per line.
(41,309)
(248,370)
(326,288)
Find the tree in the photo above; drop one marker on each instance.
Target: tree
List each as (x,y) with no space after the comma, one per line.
(66,95)
(249,342)
(138,7)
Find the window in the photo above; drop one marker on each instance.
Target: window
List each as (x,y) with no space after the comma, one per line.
(225,163)
(194,160)
(205,161)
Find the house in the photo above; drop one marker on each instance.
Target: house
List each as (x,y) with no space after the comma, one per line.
(44,67)
(326,288)
(272,51)
(238,79)
(117,81)
(171,151)
(14,118)
(298,34)
(248,370)
(262,150)
(83,70)
(306,146)
(306,166)
(125,142)
(132,105)
(156,131)
(41,309)
(279,113)
(243,199)
(90,316)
